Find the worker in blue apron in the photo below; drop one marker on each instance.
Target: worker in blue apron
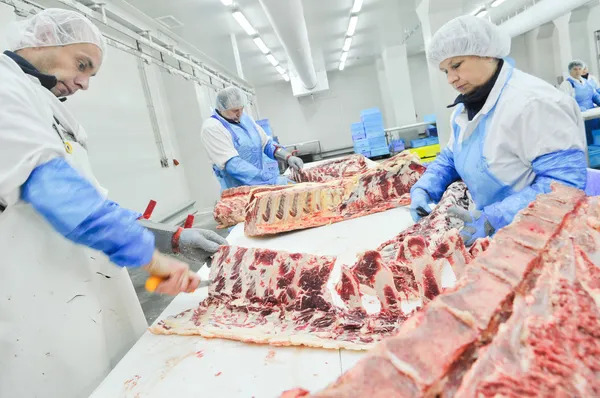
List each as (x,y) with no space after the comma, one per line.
(585,93)
(239,149)
(512,133)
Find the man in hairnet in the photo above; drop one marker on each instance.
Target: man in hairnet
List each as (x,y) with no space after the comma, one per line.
(238,147)
(512,133)
(585,93)
(67,313)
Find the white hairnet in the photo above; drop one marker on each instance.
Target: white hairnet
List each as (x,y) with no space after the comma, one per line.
(575,64)
(230,98)
(54,27)
(468,35)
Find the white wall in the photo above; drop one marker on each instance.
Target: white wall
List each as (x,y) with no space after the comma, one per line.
(593,25)
(547,60)
(421,88)
(122,147)
(325,116)
(580,41)
(520,53)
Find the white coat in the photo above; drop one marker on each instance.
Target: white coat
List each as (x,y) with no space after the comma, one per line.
(533,119)
(67,315)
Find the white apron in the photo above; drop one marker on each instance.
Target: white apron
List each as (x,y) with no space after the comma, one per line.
(67,315)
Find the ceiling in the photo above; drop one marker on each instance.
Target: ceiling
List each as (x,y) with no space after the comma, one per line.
(208,24)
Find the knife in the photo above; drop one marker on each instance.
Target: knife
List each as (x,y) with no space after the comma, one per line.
(153,282)
(422,212)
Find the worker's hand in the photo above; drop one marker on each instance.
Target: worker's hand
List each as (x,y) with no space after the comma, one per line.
(295,163)
(199,244)
(476,224)
(420,204)
(176,274)
(281,180)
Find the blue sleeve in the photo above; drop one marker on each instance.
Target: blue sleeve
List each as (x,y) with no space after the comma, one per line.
(270,149)
(596,98)
(567,167)
(247,173)
(439,175)
(73,206)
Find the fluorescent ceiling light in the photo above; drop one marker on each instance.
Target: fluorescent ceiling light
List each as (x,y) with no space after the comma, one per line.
(344,57)
(280,70)
(352,25)
(227,2)
(482,13)
(342,65)
(496,3)
(347,44)
(272,60)
(241,19)
(356,7)
(261,45)
(286,77)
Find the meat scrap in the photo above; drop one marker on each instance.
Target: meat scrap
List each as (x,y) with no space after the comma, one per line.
(278,298)
(339,168)
(315,204)
(523,321)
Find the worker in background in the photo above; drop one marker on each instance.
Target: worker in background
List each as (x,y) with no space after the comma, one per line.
(585,94)
(512,133)
(238,147)
(590,78)
(68,310)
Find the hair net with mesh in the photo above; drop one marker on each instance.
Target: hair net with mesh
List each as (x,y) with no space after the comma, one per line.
(468,35)
(54,27)
(576,64)
(230,98)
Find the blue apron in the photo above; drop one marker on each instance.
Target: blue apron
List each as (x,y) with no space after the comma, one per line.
(584,94)
(473,167)
(248,144)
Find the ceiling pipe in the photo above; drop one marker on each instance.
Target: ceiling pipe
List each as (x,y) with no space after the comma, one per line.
(287,19)
(543,12)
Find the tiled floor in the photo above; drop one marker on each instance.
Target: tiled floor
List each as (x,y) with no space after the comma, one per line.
(154,304)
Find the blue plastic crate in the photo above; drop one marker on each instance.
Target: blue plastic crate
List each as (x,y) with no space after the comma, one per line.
(357,126)
(433,141)
(380,151)
(372,120)
(359,136)
(362,145)
(397,145)
(378,142)
(369,111)
(374,132)
(418,143)
(364,153)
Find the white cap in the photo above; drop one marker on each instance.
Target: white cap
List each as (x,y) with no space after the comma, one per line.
(468,35)
(230,98)
(54,27)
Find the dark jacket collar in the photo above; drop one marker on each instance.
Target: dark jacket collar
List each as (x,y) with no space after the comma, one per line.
(229,120)
(48,81)
(475,101)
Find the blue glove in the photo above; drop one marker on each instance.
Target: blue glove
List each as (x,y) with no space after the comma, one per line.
(281,180)
(476,224)
(420,204)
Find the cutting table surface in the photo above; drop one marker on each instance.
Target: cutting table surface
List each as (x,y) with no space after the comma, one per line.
(177,366)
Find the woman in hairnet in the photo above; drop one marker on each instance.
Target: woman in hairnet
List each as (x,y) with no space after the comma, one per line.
(67,313)
(585,93)
(512,133)
(238,147)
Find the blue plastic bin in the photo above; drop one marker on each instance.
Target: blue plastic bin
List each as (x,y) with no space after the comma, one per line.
(362,145)
(380,151)
(359,136)
(378,142)
(364,153)
(433,141)
(418,143)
